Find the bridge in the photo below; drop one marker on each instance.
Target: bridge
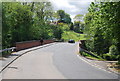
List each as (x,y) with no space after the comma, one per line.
(56,60)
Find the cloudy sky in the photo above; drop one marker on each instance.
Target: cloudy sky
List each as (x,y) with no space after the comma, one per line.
(72,7)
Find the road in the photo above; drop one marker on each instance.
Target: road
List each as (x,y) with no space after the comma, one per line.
(58,61)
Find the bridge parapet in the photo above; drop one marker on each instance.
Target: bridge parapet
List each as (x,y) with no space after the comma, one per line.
(29,44)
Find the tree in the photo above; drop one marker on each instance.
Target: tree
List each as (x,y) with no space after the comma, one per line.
(61,14)
(78,26)
(63,17)
(58,33)
(102,25)
(78,17)
(14,25)
(25,21)
(67,18)
(43,13)
(71,26)
(78,23)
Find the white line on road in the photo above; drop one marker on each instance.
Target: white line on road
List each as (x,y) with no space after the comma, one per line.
(95,65)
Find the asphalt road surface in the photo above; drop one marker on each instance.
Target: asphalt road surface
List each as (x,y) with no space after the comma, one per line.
(58,61)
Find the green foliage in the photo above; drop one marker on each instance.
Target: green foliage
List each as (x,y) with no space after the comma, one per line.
(25,21)
(58,33)
(71,26)
(67,18)
(63,26)
(63,17)
(102,26)
(61,13)
(119,59)
(78,23)
(78,26)
(113,50)
(110,57)
(78,17)
(14,26)
(107,56)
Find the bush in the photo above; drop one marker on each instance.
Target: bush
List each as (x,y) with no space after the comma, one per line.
(113,50)
(107,56)
(119,59)
(83,53)
(114,57)
(6,53)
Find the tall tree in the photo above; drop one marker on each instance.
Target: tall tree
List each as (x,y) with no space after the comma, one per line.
(78,17)
(64,17)
(78,23)
(67,18)
(103,24)
(61,14)
(25,21)
(71,26)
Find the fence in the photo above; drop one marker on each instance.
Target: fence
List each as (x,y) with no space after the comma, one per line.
(8,49)
(81,49)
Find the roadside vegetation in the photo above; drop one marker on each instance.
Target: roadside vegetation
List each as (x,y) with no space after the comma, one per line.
(26,21)
(102,27)
(99,28)
(102,21)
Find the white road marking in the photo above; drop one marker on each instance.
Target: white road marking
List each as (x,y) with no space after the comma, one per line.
(95,65)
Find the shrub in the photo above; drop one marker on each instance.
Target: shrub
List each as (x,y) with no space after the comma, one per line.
(113,50)
(114,57)
(107,56)
(119,59)
(83,53)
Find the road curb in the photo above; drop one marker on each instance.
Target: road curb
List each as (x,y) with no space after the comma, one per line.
(11,61)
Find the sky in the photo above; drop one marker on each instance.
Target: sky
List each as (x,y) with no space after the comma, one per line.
(72,7)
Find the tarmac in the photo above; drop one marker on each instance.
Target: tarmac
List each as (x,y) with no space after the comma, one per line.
(105,65)
(6,61)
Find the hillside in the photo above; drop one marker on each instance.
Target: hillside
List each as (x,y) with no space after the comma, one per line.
(72,35)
